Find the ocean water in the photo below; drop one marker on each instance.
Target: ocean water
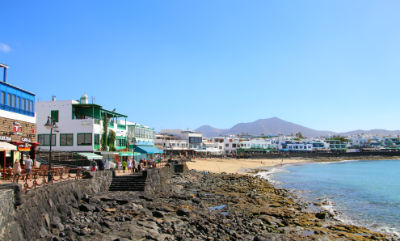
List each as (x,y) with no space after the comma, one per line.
(364,193)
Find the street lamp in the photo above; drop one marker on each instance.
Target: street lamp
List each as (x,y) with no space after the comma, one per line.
(50,124)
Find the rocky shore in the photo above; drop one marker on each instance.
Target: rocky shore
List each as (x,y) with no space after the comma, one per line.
(202,206)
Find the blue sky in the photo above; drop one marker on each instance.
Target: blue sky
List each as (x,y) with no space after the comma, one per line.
(330,65)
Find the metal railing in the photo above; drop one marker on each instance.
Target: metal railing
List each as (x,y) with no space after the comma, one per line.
(39,177)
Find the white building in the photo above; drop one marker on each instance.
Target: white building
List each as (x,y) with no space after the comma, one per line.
(231,144)
(170,142)
(80,125)
(256,143)
(193,138)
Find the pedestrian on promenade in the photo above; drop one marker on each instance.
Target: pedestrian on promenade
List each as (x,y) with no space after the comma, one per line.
(124,166)
(130,165)
(94,164)
(16,170)
(28,166)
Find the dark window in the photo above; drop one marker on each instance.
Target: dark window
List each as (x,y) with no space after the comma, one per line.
(3,98)
(13,101)
(54,115)
(121,142)
(195,140)
(18,102)
(97,139)
(44,139)
(31,109)
(66,139)
(29,105)
(24,104)
(9,99)
(84,139)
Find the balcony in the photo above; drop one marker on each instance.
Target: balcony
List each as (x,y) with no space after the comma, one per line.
(121,127)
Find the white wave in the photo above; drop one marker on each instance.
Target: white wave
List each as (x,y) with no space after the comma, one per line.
(332,162)
(268,174)
(329,206)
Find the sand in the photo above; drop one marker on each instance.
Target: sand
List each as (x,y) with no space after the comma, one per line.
(219,165)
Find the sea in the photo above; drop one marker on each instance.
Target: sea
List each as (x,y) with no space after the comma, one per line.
(365,193)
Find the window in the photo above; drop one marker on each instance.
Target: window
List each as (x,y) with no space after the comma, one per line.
(9,99)
(29,106)
(13,101)
(84,139)
(121,141)
(66,139)
(44,139)
(31,109)
(19,102)
(97,139)
(54,115)
(24,104)
(3,98)
(195,140)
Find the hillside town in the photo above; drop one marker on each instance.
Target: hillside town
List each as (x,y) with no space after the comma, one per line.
(83,130)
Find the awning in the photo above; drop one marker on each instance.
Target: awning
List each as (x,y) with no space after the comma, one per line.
(126,154)
(90,156)
(148,150)
(4,146)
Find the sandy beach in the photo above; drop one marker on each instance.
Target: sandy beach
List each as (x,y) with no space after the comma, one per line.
(219,165)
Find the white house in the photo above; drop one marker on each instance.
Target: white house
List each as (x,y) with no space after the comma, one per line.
(80,125)
(193,138)
(231,144)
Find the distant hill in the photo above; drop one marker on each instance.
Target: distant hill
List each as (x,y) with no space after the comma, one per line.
(209,131)
(276,126)
(381,132)
(271,126)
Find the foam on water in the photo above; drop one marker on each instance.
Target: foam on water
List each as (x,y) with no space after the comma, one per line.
(365,193)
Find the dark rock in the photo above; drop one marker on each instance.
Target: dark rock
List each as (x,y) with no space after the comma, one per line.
(122,202)
(106,224)
(158,214)
(183,212)
(86,207)
(322,215)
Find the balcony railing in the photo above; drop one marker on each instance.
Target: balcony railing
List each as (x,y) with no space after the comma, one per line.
(17,110)
(121,127)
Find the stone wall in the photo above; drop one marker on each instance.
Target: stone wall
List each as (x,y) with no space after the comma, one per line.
(157,179)
(46,207)
(8,200)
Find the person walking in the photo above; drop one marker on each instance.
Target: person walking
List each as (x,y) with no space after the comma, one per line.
(124,166)
(28,166)
(16,171)
(130,165)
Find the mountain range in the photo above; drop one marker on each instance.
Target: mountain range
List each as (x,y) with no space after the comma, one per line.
(276,126)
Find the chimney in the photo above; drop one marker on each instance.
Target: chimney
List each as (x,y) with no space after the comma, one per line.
(53,98)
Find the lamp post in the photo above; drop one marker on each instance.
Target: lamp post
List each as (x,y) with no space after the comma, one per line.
(50,124)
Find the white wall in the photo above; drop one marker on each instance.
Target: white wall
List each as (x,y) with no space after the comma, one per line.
(17,116)
(66,125)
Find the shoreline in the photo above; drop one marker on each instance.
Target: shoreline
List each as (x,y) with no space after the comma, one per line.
(253,165)
(317,205)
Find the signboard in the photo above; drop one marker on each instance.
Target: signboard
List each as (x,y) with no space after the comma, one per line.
(17,128)
(5,138)
(26,139)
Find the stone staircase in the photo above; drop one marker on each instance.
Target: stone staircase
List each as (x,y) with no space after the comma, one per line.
(133,182)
